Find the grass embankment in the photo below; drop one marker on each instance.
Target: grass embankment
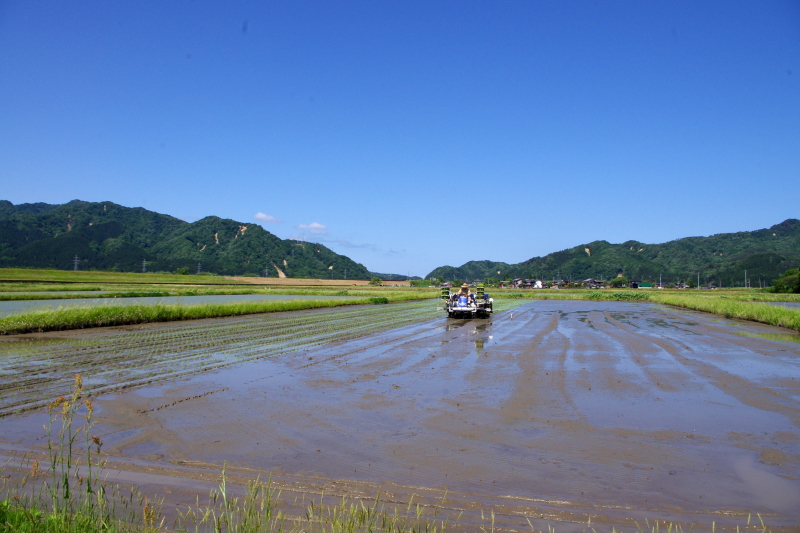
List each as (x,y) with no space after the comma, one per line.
(42,287)
(115,292)
(100,316)
(774,315)
(76,295)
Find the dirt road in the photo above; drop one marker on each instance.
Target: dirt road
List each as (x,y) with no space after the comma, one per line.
(568,410)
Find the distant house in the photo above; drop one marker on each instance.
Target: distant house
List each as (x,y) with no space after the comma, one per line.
(446,284)
(592,283)
(645,285)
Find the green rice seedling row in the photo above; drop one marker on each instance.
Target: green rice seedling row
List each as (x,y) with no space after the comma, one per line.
(34,372)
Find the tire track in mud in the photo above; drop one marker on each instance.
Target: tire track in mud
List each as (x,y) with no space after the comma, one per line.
(604,452)
(744,391)
(531,365)
(524,399)
(645,355)
(730,337)
(176,402)
(386,343)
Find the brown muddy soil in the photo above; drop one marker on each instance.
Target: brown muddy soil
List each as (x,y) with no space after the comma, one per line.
(568,411)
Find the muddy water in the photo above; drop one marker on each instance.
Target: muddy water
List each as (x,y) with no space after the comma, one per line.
(568,410)
(786,304)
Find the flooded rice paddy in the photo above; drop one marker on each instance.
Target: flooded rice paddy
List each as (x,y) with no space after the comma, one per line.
(9,307)
(37,368)
(786,304)
(567,411)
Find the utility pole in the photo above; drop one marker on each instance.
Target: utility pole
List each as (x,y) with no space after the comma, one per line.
(698,280)
(199,268)
(144,266)
(75,263)
(266,271)
(745,279)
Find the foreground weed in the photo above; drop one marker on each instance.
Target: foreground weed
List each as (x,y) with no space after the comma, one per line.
(257,512)
(70,495)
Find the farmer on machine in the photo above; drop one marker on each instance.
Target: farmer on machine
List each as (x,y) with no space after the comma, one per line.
(464,291)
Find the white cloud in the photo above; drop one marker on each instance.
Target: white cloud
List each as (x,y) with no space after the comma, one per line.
(266,218)
(348,244)
(315,228)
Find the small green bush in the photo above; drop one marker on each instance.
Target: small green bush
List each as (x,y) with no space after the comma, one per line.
(619,282)
(789,282)
(618,296)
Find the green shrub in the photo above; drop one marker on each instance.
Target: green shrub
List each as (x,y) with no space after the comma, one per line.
(621,281)
(789,282)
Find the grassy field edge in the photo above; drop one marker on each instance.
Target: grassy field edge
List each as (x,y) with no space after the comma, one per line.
(744,307)
(103,316)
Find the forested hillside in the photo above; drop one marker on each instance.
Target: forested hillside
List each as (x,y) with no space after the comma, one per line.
(722,258)
(105,236)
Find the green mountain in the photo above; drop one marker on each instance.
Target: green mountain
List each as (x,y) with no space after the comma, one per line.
(722,258)
(105,235)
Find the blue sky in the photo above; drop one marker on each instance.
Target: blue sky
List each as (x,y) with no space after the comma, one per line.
(409,135)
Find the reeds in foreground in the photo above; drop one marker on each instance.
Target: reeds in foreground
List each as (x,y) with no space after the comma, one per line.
(69,495)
